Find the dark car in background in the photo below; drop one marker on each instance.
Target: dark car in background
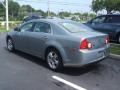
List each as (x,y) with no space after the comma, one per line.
(109,24)
(31,17)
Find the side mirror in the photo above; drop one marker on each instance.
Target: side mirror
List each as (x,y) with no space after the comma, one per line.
(17,29)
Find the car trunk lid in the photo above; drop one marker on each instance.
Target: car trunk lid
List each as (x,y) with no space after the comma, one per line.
(97,39)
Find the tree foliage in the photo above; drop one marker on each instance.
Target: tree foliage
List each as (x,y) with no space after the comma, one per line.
(63,14)
(13,8)
(25,10)
(2,10)
(17,12)
(108,5)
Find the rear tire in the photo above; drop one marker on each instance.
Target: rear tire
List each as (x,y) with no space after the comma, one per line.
(54,60)
(10,45)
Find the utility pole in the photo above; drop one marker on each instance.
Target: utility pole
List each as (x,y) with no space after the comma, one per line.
(48,3)
(6,10)
(7,18)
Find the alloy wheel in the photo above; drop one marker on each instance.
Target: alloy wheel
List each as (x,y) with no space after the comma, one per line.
(10,46)
(53,60)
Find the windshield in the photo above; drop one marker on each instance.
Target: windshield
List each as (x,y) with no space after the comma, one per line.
(75,27)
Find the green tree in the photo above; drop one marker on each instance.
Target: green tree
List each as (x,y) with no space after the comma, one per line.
(64,14)
(108,5)
(2,10)
(41,13)
(13,8)
(52,14)
(92,15)
(26,9)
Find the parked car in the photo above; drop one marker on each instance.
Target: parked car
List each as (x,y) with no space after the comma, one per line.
(31,17)
(109,24)
(59,42)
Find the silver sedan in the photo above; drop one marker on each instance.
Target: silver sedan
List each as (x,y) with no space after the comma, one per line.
(59,42)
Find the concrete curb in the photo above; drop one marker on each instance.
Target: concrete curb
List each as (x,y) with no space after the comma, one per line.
(115,56)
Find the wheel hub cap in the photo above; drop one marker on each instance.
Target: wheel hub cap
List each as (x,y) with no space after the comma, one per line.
(10,45)
(52,59)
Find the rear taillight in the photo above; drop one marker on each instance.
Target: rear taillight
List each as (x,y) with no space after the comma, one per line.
(85,44)
(107,40)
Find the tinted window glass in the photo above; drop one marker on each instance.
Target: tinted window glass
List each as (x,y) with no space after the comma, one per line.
(42,27)
(99,20)
(113,19)
(26,27)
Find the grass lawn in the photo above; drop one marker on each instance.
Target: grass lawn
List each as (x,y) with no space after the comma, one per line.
(3,30)
(115,49)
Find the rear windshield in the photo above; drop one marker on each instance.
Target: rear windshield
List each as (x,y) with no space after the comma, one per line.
(75,27)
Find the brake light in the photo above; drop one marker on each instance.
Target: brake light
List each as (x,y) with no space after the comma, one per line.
(85,44)
(107,40)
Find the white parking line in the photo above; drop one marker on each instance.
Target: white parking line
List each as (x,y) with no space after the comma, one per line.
(68,83)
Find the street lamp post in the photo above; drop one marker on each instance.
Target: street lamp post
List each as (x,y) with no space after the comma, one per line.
(7,18)
(6,15)
(6,10)
(48,8)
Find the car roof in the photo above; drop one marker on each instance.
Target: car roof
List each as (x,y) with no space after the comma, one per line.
(52,20)
(111,15)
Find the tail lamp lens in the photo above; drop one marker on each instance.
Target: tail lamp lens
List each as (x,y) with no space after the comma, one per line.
(85,44)
(107,40)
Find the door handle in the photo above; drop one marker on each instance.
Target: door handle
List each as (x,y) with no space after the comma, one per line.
(45,37)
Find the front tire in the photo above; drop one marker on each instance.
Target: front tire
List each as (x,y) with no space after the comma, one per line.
(10,45)
(54,60)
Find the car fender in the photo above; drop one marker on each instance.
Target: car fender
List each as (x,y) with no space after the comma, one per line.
(59,47)
(9,35)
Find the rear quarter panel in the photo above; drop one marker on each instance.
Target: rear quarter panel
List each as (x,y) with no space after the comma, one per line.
(68,46)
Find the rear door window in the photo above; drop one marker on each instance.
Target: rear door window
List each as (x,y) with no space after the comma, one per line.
(100,19)
(42,27)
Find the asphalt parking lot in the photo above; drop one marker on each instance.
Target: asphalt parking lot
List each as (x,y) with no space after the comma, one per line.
(20,71)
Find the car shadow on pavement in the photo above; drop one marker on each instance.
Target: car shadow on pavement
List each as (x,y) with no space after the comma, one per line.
(77,71)
(29,57)
(72,71)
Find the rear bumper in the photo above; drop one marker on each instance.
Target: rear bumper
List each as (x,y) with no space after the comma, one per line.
(89,56)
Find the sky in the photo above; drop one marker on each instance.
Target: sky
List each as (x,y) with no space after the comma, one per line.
(59,5)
